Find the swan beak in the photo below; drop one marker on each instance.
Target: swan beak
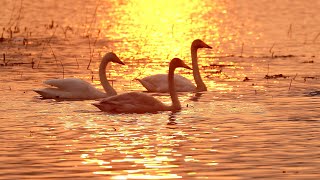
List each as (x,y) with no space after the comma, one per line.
(186,66)
(207,46)
(120,62)
(204,45)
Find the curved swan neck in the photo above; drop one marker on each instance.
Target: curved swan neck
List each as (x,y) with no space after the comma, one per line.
(172,90)
(196,74)
(103,78)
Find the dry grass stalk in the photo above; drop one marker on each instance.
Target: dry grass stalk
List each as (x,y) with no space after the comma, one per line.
(289,33)
(55,57)
(91,51)
(93,18)
(242,49)
(44,45)
(292,80)
(315,38)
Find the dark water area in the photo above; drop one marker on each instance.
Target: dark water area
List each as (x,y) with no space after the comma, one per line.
(259,118)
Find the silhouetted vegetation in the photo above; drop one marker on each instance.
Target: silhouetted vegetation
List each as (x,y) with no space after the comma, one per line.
(276,76)
(314,93)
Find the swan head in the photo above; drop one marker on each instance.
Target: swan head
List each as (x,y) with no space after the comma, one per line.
(110,56)
(176,62)
(199,44)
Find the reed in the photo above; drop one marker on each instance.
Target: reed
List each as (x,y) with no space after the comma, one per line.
(272,56)
(92,76)
(15,21)
(10,33)
(242,47)
(55,57)
(32,63)
(88,34)
(292,80)
(91,51)
(2,39)
(270,50)
(65,30)
(19,13)
(4,59)
(268,67)
(77,62)
(172,30)
(289,33)
(316,37)
(94,17)
(11,15)
(44,45)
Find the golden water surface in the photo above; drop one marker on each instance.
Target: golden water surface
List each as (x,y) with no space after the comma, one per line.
(246,126)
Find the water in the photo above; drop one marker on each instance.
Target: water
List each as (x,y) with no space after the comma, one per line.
(261,128)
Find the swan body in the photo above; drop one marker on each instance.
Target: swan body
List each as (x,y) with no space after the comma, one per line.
(136,102)
(159,82)
(74,88)
(69,88)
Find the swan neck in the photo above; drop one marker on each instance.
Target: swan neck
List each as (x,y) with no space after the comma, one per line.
(196,73)
(172,90)
(103,78)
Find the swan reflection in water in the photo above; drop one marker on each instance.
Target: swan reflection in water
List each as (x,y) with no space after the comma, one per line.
(196,96)
(172,120)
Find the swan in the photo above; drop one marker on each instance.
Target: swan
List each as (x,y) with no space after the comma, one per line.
(159,82)
(74,88)
(137,102)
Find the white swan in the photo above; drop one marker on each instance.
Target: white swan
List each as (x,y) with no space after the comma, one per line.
(73,88)
(159,82)
(136,102)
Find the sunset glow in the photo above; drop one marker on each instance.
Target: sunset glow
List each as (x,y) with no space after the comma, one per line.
(159,89)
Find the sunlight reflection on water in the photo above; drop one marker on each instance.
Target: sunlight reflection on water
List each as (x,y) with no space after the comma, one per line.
(244,127)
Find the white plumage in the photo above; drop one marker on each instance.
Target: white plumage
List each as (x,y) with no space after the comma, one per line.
(74,88)
(159,82)
(136,102)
